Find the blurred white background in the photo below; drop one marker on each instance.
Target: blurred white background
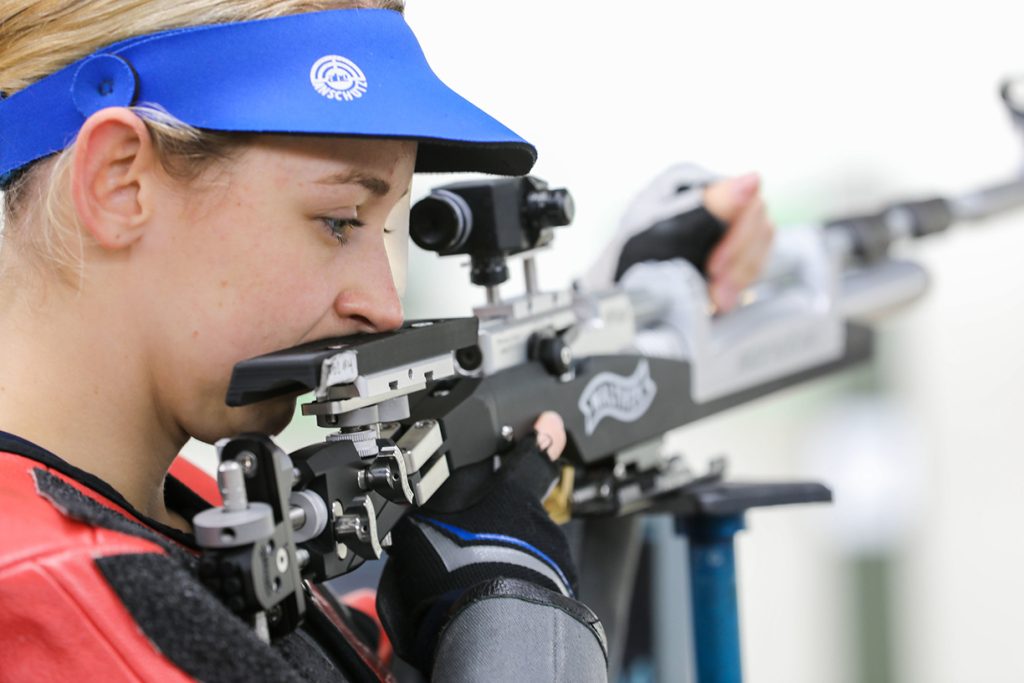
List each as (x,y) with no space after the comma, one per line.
(840,106)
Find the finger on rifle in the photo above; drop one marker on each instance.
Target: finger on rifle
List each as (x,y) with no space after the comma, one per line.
(727,199)
(746,262)
(551,436)
(742,273)
(739,233)
(748,267)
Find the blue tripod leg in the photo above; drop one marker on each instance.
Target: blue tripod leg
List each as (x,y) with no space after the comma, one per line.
(716,627)
(711,514)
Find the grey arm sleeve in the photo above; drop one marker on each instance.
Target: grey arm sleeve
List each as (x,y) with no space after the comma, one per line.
(511,630)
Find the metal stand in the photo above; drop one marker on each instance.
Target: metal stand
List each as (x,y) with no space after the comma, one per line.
(710,514)
(714,606)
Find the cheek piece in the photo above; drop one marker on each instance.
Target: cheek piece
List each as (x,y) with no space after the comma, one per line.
(352,72)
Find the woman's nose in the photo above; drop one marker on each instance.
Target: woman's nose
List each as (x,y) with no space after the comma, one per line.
(372,301)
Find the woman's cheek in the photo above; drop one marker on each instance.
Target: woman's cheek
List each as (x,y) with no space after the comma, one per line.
(270,319)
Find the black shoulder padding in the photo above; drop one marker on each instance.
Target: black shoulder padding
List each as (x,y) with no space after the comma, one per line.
(304,653)
(75,504)
(182,499)
(9,443)
(184,620)
(198,634)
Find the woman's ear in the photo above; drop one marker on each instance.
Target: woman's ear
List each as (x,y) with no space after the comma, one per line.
(112,176)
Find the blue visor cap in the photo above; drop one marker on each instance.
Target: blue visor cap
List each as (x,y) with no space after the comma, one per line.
(353,72)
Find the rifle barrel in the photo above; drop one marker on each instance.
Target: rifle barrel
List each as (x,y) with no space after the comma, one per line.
(989,201)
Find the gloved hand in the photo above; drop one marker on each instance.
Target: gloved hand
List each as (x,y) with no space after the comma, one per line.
(471,533)
(719,225)
(736,260)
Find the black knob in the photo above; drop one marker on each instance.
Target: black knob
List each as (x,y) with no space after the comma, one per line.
(441,222)
(555,354)
(550,208)
(470,358)
(488,271)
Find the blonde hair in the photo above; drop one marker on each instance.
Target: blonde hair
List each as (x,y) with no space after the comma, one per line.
(40,37)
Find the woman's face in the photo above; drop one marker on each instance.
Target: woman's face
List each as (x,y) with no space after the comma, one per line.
(282,245)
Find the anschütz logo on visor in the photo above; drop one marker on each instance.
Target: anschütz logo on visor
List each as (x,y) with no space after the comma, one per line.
(338,78)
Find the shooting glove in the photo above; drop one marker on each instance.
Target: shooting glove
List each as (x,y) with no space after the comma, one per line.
(482,539)
(664,234)
(665,220)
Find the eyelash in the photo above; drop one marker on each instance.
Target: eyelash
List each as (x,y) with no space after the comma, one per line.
(339,228)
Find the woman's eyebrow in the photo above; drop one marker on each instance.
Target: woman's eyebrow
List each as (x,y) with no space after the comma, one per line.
(374,184)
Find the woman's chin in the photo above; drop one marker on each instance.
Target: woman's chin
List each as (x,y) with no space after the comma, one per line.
(266,417)
(279,414)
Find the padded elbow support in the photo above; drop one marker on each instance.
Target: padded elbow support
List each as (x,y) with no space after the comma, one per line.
(542,636)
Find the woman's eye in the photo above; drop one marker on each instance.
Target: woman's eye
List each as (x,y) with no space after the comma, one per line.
(341,228)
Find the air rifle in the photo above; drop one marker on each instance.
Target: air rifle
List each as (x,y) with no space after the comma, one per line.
(623,367)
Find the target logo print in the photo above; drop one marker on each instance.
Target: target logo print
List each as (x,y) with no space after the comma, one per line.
(338,78)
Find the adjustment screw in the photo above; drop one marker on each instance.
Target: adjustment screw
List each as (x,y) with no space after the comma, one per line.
(470,357)
(555,354)
(247,459)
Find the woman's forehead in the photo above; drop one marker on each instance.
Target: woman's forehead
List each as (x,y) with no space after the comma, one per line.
(336,160)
